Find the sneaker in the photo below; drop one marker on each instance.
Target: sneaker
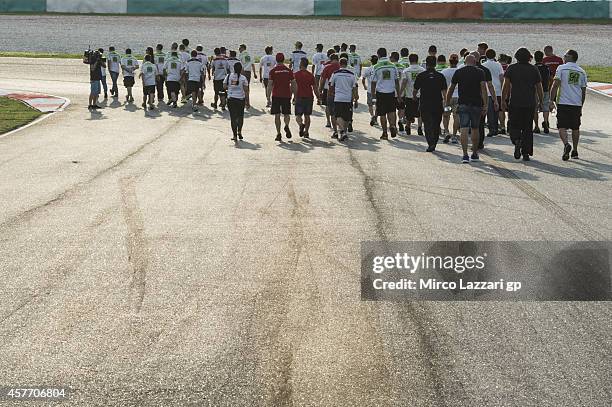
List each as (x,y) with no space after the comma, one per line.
(335,134)
(526,158)
(89,107)
(373,121)
(151,107)
(169,103)
(393,131)
(96,107)
(408,130)
(536,130)
(302,130)
(566,152)
(287,132)
(446,139)
(420,131)
(195,109)
(490,135)
(240,136)
(343,136)
(502,131)
(475,157)
(430,149)
(131,98)
(144,105)
(268,104)
(328,125)
(466,159)
(517,151)
(306,135)
(278,137)
(400,126)
(174,105)
(575,155)
(384,136)
(106,96)
(350,127)
(546,127)
(455,140)
(223,108)
(234,138)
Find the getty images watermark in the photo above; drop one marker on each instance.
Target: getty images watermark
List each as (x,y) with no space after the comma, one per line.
(459,271)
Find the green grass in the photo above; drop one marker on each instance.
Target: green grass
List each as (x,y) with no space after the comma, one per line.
(599,73)
(14,114)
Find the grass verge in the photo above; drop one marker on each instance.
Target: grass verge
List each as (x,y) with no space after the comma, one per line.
(599,73)
(14,114)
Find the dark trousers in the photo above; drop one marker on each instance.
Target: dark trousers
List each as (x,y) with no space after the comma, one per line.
(247,74)
(104,85)
(492,118)
(431,125)
(520,126)
(481,132)
(159,84)
(114,89)
(236,110)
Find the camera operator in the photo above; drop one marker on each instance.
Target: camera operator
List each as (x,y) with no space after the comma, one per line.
(94,60)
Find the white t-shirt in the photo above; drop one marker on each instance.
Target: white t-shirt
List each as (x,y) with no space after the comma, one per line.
(343,82)
(159,59)
(246,61)
(103,69)
(230,63)
(385,75)
(317,60)
(173,68)
(184,56)
(113,62)
(573,78)
(220,68)
(129,65)
(194,70)
(409,74)
(267,62)
(367,75)
(149,72)
(448,74)
(235,86)
(496,70)
(296,57)
(355,61)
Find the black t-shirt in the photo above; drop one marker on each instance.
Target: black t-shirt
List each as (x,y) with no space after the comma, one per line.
(468,79)
(524,77)
(431,84)
(545,75)
(95,70)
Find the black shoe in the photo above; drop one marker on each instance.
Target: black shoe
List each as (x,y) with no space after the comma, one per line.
(393,131)
(234,138)
(575,155)
(537,130)
(96,107)
(526,157)
(106,96)
(240,136)
(566,152)
(174,105)
(400,126)
(446,139)
(546,127)
(373,122)
(384,136)
(278,138)
(430,149)
(475,157)
(502,131)
(408,130)
(517,150)
(491,135)
(302,130)
(420,131)
(306,135)
(223,108)
(287,132)
(328,125)
(343,136)
(335,134)
(213,105)
(350,127)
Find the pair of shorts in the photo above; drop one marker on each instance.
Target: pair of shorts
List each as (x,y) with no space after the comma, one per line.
(344,111)
(568,117)
(469,116)
(148,90)
(281,106)
(454,104)
(193,86)
(218,87)
(173,87)
(128,81)
(385,103)
(303,106)
(545,102)
(412,108)
(330,104)
(94,88)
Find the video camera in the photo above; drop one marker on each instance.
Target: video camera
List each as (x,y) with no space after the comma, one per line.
(88,55)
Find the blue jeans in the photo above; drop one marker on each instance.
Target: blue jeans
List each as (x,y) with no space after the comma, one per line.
(104,85)
(469,116)
(492,118)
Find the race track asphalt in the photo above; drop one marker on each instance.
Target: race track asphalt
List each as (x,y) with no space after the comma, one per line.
(146,260)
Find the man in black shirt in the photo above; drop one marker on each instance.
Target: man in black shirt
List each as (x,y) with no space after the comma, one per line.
(545,75)
(473,103)
(432,85)
(95,76)
(491,88)
(523,86)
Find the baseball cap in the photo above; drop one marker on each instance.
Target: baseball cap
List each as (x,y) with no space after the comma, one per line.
(280,57)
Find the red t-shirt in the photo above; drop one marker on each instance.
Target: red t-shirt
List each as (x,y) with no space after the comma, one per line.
(552,63)
(305,83)
(329,70)
(281,76)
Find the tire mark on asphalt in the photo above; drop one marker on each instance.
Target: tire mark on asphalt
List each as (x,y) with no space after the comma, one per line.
(135,241)
(546,203)
(28,213)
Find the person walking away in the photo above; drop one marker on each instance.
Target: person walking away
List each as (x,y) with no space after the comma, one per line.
(195,71)
(538,56)
(184,56)
(220,69)
(490,93)
(441,63)
(149,76)
(552,61)
(129,65)
(355,60)
(472,86)
(95,75)
(385,85)
(296,57)
(304,98)
(114,68)
(326,75)
(173,73)
(343,88)
(282,86)
(497,78)
(247,63)
(266,64)
(406,91)
(203,58)
(432,86)
(103,66)
(159,59)
(451,109)
(237,87)
(318,61)
(523,87)
(569,93)
(366,81)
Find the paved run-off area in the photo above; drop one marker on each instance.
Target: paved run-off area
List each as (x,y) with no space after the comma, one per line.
(146,260)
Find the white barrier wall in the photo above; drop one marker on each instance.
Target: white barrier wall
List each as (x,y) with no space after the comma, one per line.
(272,7)
(87,6)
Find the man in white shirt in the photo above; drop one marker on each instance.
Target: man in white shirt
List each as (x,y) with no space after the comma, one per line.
(149,76)
(343,88)
(385,85)
(366,81)
(173,72)
(355,60)
(220,69)
(497,75)
(104,64)
(129,64)
(266,64)
(318,59)
(406,91)
(159,59)
(113,61)
(454,102)
(296,57)
(195,72)
(247,63)
(569,92)
(203,58)
(231,61)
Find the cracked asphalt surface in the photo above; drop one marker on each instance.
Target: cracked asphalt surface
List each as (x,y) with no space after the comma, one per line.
(147,261)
